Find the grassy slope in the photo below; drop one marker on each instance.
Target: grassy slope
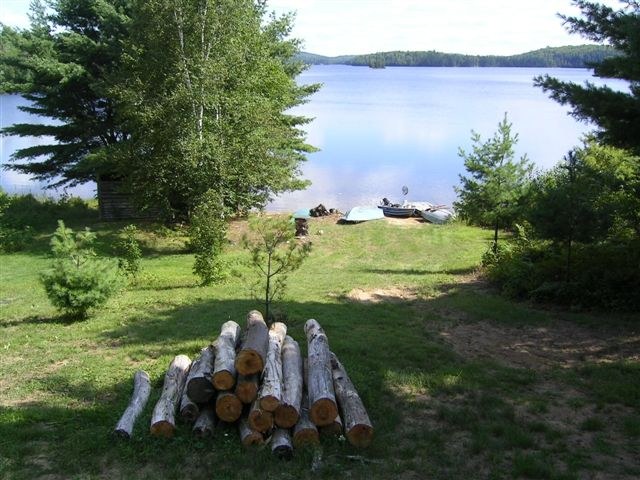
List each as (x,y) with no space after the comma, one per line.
(64,385)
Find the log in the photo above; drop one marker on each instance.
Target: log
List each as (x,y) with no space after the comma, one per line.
(251,358)
(281,445)
(228,406)
(199,386)
(139,398)
(258,419)
(248,436)
(334,429)
(288,412)
(247,387)
(189,410)
(224,370)
(322,401)
(163,423)
(305,432)
(271,391)
(204,425)
(357,426)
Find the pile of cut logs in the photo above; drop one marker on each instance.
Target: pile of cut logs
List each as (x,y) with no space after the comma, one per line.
(260,382)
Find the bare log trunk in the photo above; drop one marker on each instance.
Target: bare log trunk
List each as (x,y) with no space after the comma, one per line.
(322,401)
(163,423)
(189,410)
(247,388)
(139,398)
(224,370)
(334,429)
(288,412)
(228,407)
(260,420)
(357,426)
(199,386)
(271,391)
(305,432)
(281,445)
(251,358)
(248,436)
(204,425)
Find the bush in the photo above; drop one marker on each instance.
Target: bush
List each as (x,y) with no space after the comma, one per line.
(78,280)
(128,251)
(604,275)
(207,234)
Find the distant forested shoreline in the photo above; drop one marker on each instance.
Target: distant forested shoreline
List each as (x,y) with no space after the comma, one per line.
(581,56)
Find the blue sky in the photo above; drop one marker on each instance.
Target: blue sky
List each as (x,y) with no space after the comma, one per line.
(336,27)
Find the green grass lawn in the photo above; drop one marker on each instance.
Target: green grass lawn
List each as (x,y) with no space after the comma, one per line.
(452,375)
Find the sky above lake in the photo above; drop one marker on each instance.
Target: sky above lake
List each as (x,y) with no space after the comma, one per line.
(478,27)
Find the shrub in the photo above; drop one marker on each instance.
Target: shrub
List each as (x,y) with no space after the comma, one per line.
(207,237)
(128,251)
(78,280)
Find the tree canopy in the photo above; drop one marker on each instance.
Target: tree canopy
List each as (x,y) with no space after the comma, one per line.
(616,113)
(206,91)
(173,97)
(64,65)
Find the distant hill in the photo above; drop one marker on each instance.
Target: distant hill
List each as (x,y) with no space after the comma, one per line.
(564,57)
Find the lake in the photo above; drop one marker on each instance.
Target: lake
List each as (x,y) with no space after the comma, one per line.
(381,129)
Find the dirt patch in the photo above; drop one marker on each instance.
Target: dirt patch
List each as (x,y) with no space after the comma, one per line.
(562,344)
(411,222)
(382,295)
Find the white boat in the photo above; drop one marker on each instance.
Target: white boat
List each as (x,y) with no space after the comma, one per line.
(362,214)
(437,215)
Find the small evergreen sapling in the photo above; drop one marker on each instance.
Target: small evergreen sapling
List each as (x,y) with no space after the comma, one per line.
(78,279)
(275,253)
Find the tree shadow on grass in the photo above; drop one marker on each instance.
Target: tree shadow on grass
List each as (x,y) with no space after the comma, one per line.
(420,271)
(435,414)
(60,319)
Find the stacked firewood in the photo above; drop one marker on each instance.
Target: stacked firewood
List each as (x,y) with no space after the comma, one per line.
(261,383)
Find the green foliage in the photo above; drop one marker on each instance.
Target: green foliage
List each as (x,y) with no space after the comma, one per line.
(493,192)
(78,280)
(275,252)
(616,113)
(207,235)
(64,64)
(128,251)
(206,91)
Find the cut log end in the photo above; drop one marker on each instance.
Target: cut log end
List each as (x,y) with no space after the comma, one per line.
(228,407)
(281,445)
(286,416)
(260,421)
(247,389)
(189,412)
(223,380)
(323,412)
(253,439)
(249,362)
(360,435)
(200,390)
(123,434)
(334,429)
(269,403)
(163,429)
(306,437)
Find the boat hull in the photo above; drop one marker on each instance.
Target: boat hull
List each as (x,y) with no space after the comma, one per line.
(397,212)
(437,216)
(362,214)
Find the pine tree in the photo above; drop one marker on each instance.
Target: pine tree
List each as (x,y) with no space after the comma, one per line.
(616,113)
(491,195)
(63,66)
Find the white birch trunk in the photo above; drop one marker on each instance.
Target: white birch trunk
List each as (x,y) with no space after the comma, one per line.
(139,398)
(163,419)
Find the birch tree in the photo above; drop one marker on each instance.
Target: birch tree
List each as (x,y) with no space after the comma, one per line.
(208,85)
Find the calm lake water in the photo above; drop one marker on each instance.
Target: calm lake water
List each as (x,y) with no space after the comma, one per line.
(381,129)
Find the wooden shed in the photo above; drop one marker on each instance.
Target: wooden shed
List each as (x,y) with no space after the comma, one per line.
(114,203)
